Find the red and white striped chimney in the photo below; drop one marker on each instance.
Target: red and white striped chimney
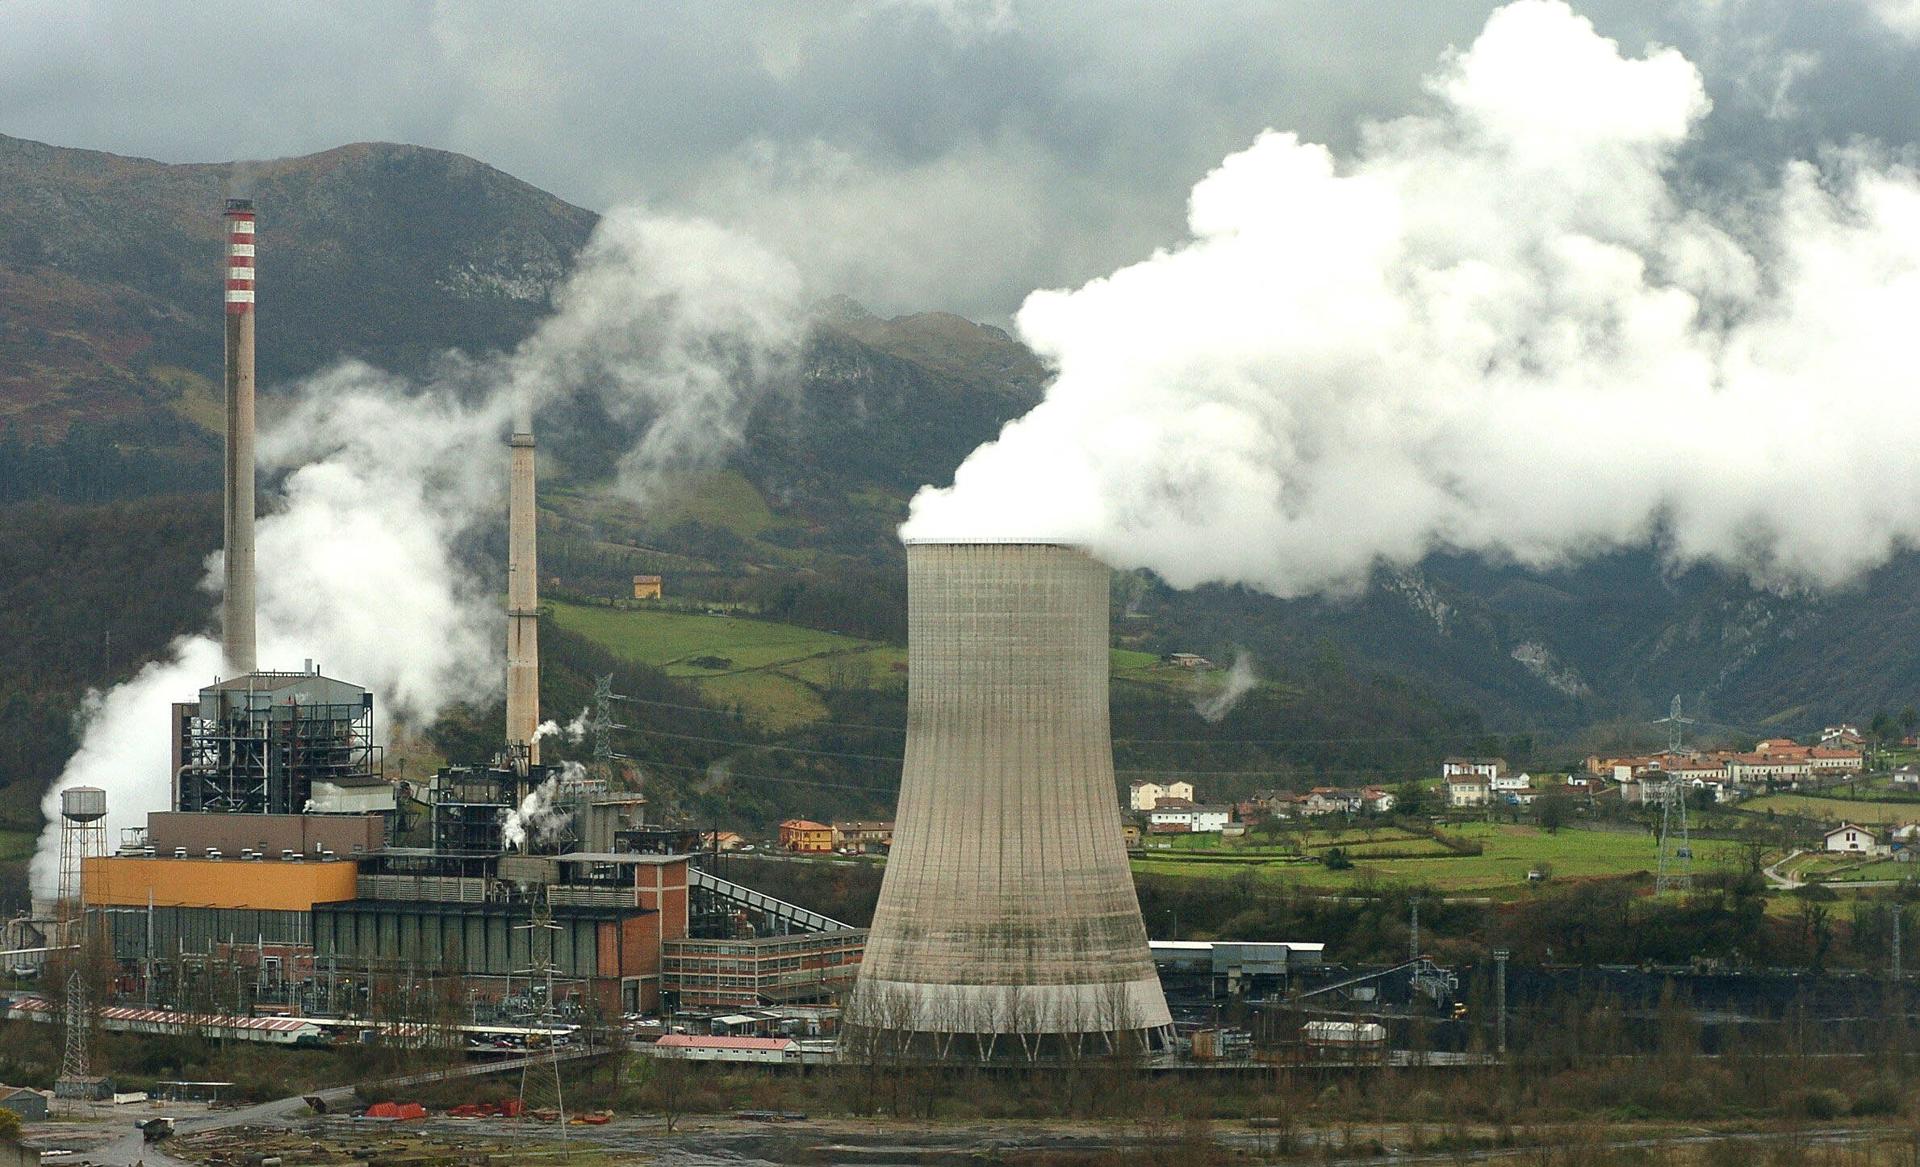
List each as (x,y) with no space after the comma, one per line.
(237,608)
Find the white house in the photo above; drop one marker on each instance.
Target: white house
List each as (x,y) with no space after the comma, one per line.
(1182,813)
(1488,768)
(1145,795)
(1377,800)
(1907,777)
(1511,788)
(1849,839)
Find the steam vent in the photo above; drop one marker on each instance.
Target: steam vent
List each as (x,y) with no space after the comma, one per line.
(1007,925)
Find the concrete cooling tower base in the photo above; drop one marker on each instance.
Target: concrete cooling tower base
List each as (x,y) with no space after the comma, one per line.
(1007,925)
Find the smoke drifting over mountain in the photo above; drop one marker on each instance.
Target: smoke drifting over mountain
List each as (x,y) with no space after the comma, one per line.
(676,323)
(1497,327)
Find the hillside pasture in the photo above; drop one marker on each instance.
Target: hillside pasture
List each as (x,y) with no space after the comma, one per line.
(774,673)
(1865,812)
(1509,852)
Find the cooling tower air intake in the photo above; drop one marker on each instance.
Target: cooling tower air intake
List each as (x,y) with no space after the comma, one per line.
(1007,925)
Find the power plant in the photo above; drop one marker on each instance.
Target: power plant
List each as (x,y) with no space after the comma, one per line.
(1007,923)
(289,871)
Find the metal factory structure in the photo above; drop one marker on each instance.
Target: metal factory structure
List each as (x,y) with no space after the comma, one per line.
(1007,925)
(259,743)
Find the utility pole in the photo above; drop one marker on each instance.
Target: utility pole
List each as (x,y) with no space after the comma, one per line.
(1500,1001)
(1413,930)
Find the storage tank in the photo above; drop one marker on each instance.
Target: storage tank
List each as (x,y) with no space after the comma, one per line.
(83,804)
(1007,924)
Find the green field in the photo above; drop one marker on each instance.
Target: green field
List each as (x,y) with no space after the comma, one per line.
(1836,810)
(1510,852)
(774,672)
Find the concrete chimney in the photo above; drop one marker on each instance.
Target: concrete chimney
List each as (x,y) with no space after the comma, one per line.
(237,601)
(523,598)
(1007,925)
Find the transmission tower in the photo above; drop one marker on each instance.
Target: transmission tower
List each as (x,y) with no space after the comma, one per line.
(1676,725)
(1676,855)
(77,1060)
(540,1091)
(603,725)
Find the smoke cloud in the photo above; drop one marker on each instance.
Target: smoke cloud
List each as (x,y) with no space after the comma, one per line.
(675,323)
(573,731)
(1497,327)
(538,819)
(1219,701)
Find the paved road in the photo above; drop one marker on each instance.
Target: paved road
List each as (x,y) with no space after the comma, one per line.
(1783,882)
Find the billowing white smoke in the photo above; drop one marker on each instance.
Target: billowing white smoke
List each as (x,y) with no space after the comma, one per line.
(674,322)
(539,819)
(572,731)
(1221,696)
(1498,327)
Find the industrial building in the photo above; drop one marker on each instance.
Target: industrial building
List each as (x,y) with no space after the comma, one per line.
(760,970)
(1007,924)
(259,743)
(275,876)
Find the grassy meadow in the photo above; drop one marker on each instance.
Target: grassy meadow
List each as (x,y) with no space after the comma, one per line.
(1509,852)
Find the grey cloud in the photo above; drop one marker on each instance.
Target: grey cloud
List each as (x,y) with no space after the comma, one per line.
(914,153)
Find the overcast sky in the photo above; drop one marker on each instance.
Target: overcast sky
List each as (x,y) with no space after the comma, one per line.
(913,154)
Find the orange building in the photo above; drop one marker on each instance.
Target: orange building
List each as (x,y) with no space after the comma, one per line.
(806,837)
(262,886)
(647,587)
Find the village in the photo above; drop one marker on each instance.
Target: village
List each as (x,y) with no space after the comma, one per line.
(1839,807)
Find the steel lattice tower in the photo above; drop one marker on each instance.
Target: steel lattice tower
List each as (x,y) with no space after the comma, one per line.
(1676,855)
(602,724)
(540,1089)
(76,1061)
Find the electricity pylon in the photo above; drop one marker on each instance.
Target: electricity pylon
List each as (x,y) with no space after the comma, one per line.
(540,1077)
(1676,855)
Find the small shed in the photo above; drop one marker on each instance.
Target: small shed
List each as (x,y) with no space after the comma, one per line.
(31,1105)
(90,1088)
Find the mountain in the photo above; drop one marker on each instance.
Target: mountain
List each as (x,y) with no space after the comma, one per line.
(109,354)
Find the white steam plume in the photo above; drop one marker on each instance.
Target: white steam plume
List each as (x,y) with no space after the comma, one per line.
(676,323)
(1216,703)
(538,819)
(1498,327)
(572,731)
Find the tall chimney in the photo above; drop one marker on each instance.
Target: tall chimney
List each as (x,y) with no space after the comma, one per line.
(1007,925)
(523,598)
(237,610)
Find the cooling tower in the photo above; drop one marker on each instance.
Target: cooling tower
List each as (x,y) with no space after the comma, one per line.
(1007,924)
(523,599)
(237,603)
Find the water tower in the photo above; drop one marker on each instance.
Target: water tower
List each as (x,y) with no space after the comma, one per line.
(83,835)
